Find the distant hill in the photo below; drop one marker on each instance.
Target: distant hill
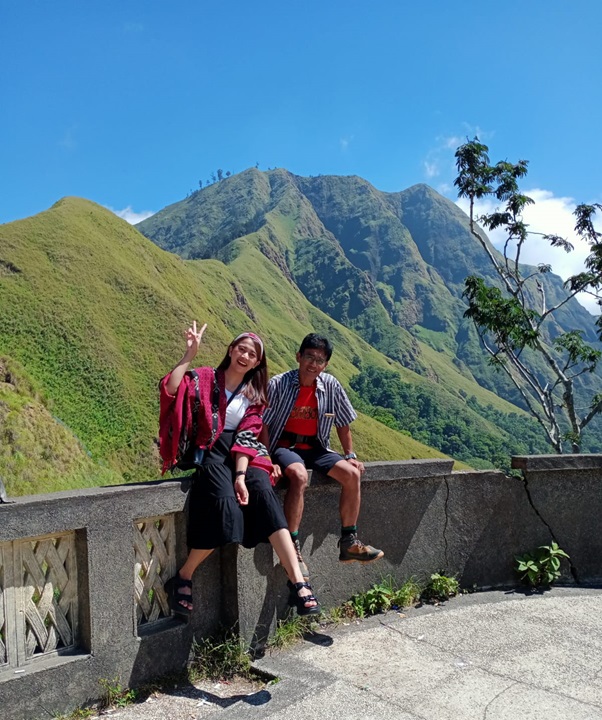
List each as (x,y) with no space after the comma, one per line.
(91,316)
(391,266)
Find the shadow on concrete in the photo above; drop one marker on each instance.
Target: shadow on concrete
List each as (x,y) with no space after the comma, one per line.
(185,689)
(318,639)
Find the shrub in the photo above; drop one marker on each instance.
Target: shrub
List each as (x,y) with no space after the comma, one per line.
(440,588)
(541,566)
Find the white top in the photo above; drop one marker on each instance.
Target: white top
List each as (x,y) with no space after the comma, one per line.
(235,410)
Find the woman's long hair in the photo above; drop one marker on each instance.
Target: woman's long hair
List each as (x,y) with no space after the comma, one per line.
(256,380)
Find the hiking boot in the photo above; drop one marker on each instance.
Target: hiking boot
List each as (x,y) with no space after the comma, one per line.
(302,566)
(354,550)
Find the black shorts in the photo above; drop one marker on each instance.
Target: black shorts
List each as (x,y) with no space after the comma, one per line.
(317,458)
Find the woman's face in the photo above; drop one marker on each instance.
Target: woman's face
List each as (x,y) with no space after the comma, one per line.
(244,355)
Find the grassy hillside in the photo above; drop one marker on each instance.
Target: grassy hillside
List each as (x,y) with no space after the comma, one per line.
(38,451)
(271,212)
(391,266)
(92,313)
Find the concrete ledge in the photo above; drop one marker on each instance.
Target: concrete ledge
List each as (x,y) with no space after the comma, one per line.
(424,516)
(557,463)
(387,470)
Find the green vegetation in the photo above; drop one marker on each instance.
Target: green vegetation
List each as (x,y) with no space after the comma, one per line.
(81,713)
(115,695)
(540,567)
(220,657)
(291,630)
(518,318)
(91,316)
(38,451)
(85,340)
(383,596)
(440,588)
(481,436)
(389,595)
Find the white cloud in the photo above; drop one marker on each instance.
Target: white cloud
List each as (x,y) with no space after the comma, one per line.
(552,215)
(431,168)
(451,142)
(440,160)
(130,215)
(345,142)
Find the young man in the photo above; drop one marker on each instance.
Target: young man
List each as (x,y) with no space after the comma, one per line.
(303,404)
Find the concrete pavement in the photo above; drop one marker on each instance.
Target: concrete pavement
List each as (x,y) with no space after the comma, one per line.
(491,656)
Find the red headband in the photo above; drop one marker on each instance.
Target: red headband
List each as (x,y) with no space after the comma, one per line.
(251,335)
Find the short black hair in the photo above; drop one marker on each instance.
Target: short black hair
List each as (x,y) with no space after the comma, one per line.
(313,341)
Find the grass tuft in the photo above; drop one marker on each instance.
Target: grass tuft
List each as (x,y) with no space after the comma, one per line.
(220,658)
(291,630)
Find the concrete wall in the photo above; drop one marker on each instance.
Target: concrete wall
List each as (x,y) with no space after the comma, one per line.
(426,519)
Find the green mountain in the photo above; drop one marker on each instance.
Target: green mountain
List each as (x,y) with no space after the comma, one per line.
(92,315)
(391,266)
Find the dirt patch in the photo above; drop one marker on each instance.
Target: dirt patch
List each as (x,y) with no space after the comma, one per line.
(185,701)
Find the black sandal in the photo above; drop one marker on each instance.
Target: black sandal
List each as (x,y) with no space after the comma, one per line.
(299,601)
(172,588)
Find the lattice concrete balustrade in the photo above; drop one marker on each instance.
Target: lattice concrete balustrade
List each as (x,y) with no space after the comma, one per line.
(155,563)
(38,598)
(82,573)
(39,591)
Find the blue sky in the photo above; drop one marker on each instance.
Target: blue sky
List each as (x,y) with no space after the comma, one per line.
(131,103)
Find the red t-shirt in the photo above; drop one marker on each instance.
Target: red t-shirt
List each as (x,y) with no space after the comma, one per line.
(303,419)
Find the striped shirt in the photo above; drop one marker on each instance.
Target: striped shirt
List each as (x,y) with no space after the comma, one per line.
(333,405)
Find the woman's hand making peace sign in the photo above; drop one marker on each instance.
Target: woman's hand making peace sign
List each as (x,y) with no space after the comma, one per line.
(193,339)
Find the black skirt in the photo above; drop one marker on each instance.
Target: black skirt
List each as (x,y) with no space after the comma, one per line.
(214,516)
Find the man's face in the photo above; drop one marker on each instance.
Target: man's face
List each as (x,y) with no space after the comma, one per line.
(311,362)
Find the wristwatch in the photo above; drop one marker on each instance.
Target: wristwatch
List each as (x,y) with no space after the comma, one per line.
(240,473)
(351,456)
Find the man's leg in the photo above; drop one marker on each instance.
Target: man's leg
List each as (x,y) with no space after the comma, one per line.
(349,479)
(351,548)
(294,500)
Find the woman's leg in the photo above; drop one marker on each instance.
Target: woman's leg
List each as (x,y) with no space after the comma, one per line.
(195,558)
(284,548)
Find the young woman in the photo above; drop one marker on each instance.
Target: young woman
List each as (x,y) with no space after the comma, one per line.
(231,499)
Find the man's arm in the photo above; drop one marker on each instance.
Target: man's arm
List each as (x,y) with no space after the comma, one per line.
(344,433)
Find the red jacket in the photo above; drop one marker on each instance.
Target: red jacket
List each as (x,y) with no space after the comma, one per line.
(171,417)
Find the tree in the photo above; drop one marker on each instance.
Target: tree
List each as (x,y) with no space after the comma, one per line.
(220,175)
(512,317)
(228,173)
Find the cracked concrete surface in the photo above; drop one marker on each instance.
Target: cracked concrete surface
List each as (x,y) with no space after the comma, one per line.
(571,564)
(487,656)
(445,511)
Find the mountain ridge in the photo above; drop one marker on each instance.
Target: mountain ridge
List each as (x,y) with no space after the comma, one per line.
(94,312)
